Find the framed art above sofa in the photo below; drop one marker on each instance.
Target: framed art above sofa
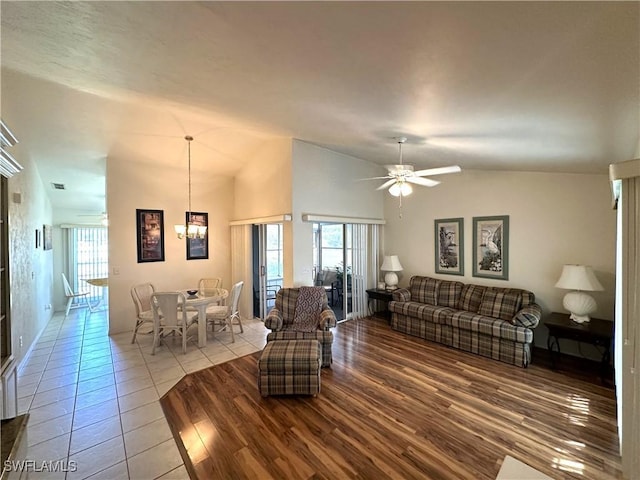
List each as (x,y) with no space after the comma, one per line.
(491,247)
(449,245)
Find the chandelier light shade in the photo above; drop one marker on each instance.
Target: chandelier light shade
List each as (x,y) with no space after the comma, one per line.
(190,229)
(579,279)
(391,264)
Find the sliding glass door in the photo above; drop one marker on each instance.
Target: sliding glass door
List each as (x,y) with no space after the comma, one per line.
(267,266)
(88,261)
(346,264)
(332,265)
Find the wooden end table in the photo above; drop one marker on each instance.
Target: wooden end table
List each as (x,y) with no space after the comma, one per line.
(382,295)
(597,332)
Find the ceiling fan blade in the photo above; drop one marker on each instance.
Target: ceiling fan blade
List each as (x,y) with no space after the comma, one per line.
(373,178)
(386,184)
(427,182)
(438,171)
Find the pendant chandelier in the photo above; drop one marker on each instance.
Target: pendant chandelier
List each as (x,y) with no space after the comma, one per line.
(190,230)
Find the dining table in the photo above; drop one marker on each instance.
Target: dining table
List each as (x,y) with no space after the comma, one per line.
(102,282)
(199,302)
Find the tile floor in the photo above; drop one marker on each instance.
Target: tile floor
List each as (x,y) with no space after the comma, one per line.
(93,399)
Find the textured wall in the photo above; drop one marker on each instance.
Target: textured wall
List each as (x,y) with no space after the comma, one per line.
(31,269)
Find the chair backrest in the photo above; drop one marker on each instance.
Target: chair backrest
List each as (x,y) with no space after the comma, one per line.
(141,295)
(68,291)
(286,300)
(234,298)
(209,286)
(165,308)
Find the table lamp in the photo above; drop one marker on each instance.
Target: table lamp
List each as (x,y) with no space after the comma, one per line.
(391,264)
(579,278)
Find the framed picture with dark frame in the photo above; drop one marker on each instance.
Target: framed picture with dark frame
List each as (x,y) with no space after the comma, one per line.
(47,237)
(198,248)
(449,245)
(491,247)
(150,235)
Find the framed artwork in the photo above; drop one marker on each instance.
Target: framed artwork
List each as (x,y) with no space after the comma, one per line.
(491,247)
(198,248)
(150,235)
(38,238)
(449,245)
(47,237)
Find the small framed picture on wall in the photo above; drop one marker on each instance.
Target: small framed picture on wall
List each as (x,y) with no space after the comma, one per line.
(150,235)
(491,247)
(449,246)
(198,248)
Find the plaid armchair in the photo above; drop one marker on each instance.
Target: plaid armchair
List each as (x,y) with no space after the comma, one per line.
(280,321)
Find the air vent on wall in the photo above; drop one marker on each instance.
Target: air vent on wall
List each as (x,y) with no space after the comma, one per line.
(58,186)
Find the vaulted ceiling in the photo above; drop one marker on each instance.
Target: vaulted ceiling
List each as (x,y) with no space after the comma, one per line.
(529,86)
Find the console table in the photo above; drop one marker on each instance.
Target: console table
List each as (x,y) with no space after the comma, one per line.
(597,332)
(381,295)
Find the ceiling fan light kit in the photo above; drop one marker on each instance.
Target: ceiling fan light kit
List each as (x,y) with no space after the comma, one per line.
(401,176)
(400,188)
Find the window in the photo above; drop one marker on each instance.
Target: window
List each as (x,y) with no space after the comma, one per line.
(88,258)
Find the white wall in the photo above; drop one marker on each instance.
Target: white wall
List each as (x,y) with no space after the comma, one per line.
(554,219)
(135,184)
(326,183)
(263,186)
(31,269)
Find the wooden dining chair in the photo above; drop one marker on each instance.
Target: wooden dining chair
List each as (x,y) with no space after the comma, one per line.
(169,317)
(141,295)
(224,316)
(209,286)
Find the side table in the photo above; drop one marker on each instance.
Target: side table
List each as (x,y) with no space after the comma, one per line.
(381,295)
(597,332)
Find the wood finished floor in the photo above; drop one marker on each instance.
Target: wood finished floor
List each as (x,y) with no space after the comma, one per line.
(394,406)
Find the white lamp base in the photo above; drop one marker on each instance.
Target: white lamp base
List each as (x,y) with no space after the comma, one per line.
(391,279)
(580,305)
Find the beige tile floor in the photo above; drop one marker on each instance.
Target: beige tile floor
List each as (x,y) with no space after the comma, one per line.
(94,399)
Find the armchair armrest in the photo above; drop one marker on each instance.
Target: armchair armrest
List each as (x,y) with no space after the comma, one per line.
(528,317)
(274,320)
(327,319)
(401,295)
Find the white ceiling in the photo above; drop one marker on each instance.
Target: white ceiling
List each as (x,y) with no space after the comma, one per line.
(507,85)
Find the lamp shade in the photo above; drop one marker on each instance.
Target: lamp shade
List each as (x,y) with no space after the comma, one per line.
(391,263)
(578,277)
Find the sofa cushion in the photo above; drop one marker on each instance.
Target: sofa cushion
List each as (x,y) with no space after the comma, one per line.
(471,298)
(493,327)
(449,293)
(422,311)
(500,303)
(424,289)
(528,316)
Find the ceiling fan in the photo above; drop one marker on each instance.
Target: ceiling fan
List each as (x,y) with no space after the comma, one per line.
(104,217)
(401,176)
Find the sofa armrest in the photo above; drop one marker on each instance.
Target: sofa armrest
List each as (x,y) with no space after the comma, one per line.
(401,295)
(327,319)
(274,320)
(528,317)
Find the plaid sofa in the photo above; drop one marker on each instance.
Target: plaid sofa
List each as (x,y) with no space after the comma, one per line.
(490,321)
(280,321)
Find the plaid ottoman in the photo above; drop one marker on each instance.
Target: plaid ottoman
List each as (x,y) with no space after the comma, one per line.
(290,367)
